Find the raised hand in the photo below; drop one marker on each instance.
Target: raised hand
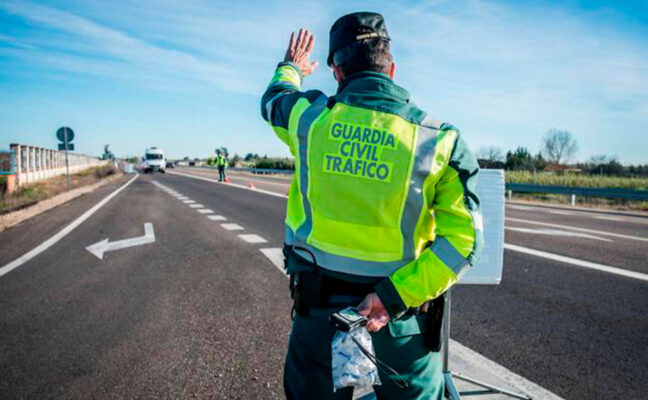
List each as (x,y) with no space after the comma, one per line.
(300,49)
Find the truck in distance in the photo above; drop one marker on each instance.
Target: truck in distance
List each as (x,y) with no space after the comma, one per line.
(154,160)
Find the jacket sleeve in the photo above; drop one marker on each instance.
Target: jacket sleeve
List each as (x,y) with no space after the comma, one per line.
(457,241)
(279,99)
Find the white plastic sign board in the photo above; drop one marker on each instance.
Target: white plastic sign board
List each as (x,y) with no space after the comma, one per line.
(488,270)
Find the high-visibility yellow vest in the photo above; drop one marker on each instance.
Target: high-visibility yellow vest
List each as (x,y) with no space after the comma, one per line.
(380,189)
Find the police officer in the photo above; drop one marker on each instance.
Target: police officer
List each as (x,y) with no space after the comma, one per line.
(382,211)
(221,162)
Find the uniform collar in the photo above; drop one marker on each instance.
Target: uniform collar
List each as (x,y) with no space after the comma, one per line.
(374,83)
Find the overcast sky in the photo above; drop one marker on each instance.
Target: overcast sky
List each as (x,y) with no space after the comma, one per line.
(187,75)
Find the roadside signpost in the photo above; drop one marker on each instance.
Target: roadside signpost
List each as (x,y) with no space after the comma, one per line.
(66,135)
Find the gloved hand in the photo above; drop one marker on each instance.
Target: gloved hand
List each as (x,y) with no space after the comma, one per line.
(372,308)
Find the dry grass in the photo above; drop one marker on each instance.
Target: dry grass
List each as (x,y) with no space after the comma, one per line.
(33,193)
(581,201)
(580,180)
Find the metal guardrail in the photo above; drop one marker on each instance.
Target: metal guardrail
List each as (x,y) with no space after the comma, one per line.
(611,193)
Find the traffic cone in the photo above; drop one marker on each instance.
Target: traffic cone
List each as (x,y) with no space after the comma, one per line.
(251,185)
(227,180)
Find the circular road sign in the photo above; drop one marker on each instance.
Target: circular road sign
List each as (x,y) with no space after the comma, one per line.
(60,134)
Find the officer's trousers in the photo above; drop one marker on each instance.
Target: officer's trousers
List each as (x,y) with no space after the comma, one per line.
(221,173)
(307,372)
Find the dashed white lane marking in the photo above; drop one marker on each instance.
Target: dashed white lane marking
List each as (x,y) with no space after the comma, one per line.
(196,205)
(556,232)
(62,233)
(251,238)
(276,257)
(217,218)
(232,227)
(205,211)
(572,228)
(183,198)
(202,178)
(188,201)
(577,262)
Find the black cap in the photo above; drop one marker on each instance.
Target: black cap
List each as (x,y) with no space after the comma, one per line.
(355,27)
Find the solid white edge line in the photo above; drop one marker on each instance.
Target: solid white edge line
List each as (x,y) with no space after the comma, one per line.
(577,262)
(527,221)
(63,232)
(518,382)
(230,184)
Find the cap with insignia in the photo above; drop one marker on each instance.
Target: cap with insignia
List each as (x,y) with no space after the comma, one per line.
(353,28)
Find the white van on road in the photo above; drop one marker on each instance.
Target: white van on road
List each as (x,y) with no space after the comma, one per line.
(154,160)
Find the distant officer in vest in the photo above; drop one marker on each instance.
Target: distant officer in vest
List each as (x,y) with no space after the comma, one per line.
(221,162)
(382,211)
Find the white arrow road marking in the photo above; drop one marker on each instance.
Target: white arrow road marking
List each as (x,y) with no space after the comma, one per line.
(556,232)
(63,232)
(99,248)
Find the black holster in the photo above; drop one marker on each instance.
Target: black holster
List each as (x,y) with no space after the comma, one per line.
(306,291)
(434,323)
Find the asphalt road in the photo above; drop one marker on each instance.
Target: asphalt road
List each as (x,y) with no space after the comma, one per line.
(203,313)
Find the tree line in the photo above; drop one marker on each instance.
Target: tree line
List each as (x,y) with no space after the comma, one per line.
(558,148)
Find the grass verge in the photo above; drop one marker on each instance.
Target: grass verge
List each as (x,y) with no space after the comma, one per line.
(30,194)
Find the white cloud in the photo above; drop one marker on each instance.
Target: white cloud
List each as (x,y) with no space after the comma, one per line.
(102,41)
